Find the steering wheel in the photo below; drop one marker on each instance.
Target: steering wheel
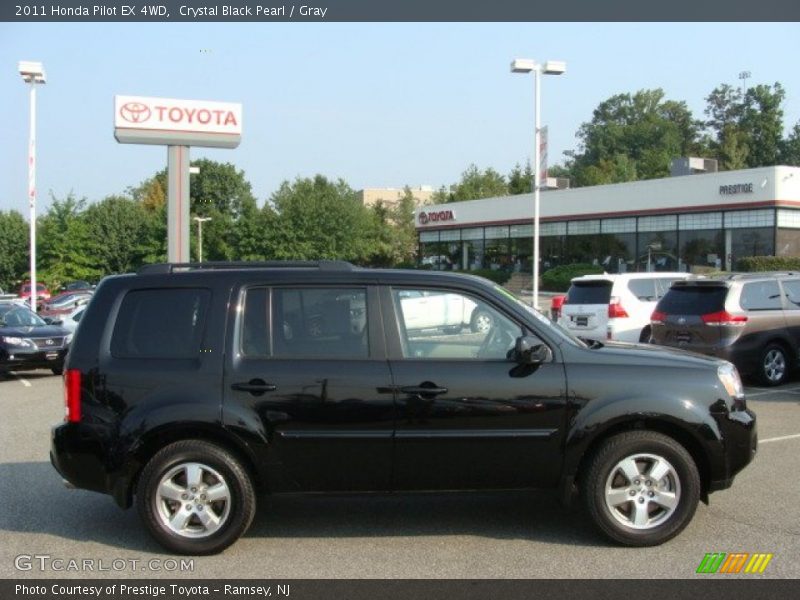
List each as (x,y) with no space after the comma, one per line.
(496,343)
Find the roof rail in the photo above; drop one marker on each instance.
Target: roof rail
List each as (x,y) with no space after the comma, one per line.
(322,265)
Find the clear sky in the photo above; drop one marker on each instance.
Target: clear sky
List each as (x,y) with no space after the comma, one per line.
(379,105)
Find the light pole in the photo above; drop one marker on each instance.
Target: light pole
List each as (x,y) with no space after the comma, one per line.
(200,221)
(33,73)
(550,67)
(744,76)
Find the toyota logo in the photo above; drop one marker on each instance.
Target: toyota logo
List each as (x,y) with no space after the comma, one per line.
(134,112)
(49,342)
(423,218)
(681,321)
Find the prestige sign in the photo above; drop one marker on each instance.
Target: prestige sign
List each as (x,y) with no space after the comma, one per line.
(736,188)
(168,121)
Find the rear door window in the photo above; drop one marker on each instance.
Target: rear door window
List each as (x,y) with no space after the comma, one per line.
(161,323)
(693,300)
(761,295)
(589,292)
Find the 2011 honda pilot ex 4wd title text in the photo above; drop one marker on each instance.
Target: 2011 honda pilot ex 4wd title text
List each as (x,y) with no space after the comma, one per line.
(192,388)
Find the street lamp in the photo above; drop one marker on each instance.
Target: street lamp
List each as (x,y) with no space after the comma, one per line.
(33,73)
(550,67)
(200,221)
(744,76)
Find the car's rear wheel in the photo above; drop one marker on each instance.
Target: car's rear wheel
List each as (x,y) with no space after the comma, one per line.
(641,488)
(57,370)
(774,369)
(644,337)
(195,498)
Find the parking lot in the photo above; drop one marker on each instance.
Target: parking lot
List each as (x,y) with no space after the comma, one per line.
(483,535)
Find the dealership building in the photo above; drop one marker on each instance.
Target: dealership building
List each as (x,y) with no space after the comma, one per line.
(688,222)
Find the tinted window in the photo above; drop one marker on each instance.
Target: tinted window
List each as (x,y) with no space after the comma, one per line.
(761,295)
(792,289)
(693,300)
(589,292)
(255,321)
(451,325)
(163,323)
(317,322)
(643,289)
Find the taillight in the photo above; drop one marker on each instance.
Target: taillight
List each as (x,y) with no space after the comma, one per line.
(658,317)
(72,395)
(723,317)
(615,310)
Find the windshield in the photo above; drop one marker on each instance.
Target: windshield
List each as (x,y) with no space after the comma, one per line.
(18,316)
(542,319)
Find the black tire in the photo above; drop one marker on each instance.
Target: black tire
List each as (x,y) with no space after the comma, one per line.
(235,513)
(682,482)
(57,370)
(644,337)
(773,365)
(480,321)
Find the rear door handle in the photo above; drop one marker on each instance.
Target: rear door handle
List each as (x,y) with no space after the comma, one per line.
(254,386)
(423,391)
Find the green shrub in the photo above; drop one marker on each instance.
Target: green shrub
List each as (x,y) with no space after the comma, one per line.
(497,276)
(557,279)
(768,263)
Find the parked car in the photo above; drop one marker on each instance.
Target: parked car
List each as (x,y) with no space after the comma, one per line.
(614,307)
(68,321)
(197,410)
(74,286)
(64,303)
(556,304)
(42,293)
(752,320)
(433,309)
(27,342)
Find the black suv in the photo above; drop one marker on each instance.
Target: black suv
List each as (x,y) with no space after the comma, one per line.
(752,320)
(193,387)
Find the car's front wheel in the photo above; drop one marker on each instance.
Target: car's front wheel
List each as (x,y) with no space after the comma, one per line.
(641,488)
(195,498)
(481,321)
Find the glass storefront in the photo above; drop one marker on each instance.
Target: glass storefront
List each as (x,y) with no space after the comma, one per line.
(693,242)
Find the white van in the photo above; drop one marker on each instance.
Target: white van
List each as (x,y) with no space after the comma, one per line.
(614,307)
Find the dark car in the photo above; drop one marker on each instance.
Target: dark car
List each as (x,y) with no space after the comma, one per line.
(74,286)
(752,320)
(27,342)
(193,389)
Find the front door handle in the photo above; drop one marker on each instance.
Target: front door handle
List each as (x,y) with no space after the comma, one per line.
(421,390)
(255,386)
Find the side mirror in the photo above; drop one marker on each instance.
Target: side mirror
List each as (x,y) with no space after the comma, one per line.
(529,350)
(48,320)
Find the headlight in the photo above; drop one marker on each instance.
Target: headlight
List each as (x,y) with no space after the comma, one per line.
(729,377)
(68,339)
(17,341)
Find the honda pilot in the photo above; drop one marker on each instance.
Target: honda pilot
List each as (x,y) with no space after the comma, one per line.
(193,390)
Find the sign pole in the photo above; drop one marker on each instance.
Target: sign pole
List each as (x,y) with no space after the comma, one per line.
(178,204)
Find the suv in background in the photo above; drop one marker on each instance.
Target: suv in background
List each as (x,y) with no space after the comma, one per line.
(752,320)
(318,377)
(614,307)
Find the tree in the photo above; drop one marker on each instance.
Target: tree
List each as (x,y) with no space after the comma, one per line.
(790,148)
(475,184)
(519,181)
(14,245)
(65,250)
(319,219)
(119,231)
(746,131)
(633,137)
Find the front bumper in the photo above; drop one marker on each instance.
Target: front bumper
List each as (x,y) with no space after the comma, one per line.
(740,439)
(22,359)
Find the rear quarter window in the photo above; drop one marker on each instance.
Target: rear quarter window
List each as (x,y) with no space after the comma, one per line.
(643,289)
(589,292)
(693,300)
(161,323)
(761,295)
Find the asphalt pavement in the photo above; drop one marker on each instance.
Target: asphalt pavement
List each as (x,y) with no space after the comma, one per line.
(478,535)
